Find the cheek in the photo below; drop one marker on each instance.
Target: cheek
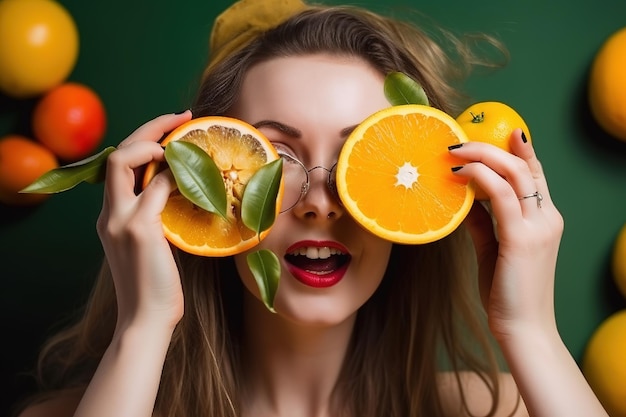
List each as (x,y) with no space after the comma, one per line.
(376,250)
(368,268)
(374,262)
(272,242)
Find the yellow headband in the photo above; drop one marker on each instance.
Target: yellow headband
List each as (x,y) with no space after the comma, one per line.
(245,20)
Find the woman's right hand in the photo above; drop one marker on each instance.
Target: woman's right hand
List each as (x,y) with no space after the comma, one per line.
(147,282)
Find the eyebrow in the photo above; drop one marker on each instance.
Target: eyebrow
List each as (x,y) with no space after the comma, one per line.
(288,130)
(292,131)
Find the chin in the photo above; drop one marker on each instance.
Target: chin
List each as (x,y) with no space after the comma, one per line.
(314,311)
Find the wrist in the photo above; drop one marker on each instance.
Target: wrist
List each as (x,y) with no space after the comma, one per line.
(536,325)
(151,318)
(524,339)
(128,376)
(144,330)
(546,374)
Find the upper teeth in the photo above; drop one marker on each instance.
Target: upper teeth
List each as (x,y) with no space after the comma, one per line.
(313,252)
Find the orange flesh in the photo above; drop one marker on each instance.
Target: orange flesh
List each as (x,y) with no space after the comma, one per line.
(239,151)
(398,178)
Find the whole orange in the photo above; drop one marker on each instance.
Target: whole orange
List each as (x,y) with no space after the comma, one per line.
(491,122)
(70,120)
(38,46)
(604,365)
(607,85)
(22,161)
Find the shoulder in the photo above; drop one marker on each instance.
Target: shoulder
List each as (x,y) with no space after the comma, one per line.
(62,404)
(477,395)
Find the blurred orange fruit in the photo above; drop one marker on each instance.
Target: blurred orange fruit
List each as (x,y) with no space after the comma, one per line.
(604,365)
(70,120)
(394,177)
(618,263)
(38,46)
(607,85)
(239,150)
(22,161)
(491,122)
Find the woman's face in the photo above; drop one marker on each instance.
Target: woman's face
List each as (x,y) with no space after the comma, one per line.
(307,106)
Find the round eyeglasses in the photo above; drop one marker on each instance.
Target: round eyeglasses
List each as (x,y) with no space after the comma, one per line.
(297,184)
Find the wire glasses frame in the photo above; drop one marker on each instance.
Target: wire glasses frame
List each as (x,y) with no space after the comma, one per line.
(297,181)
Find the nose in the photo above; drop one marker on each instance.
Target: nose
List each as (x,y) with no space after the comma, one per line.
(319,202)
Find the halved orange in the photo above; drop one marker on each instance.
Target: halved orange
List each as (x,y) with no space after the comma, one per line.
(239,150)
(394,176)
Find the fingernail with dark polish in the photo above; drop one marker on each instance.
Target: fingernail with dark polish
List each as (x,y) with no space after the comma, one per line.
(180,112)
(455,146)
(456,168)
(524,139)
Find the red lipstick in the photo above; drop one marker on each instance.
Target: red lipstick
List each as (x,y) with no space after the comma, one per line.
(317,264)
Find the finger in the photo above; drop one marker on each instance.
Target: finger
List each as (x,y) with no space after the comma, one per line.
(524,149)
(157,192)
(121,165)
(510,167)
(515,171)
(156,128)
(501,195)
(503,176)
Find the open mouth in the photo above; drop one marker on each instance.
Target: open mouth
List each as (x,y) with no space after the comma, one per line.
(320,261)
(315,266)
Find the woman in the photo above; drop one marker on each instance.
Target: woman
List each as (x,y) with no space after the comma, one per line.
(400,330)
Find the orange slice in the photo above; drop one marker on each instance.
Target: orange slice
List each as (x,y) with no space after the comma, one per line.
(239,150)
(394,177)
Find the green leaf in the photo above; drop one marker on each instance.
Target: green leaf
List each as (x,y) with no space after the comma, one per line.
(197,177)
(401,89)
(91,170)
(258,204)
(265,268)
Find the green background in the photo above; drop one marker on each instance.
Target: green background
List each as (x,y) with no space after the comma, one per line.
(144,58)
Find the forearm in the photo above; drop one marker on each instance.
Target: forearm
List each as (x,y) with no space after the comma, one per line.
(127,379)
(547,376)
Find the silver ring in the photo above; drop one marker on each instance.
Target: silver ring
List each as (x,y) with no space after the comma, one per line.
(536,195)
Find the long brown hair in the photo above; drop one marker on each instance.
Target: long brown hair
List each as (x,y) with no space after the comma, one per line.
(424,317)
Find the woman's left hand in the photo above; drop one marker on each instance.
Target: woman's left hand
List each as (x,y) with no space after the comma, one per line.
(516,268)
